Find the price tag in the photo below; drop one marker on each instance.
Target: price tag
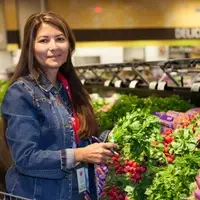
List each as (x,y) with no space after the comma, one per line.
(83,81)
(133,84)
(161,85)
(118,83)
(107,83)
(195,87)
(152,85)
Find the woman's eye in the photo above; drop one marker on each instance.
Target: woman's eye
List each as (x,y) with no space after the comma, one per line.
(60,39)
(43,41)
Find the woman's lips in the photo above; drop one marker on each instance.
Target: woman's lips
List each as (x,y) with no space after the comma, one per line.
(56,56)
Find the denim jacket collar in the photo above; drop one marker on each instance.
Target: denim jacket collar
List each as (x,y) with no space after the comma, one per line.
(44,83)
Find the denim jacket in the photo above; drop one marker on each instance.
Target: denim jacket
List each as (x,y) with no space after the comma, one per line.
(40,136)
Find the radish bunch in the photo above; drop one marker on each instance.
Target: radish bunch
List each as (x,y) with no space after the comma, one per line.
(134,170)
(130,167)
(117,165)
(168,139)
(114,193)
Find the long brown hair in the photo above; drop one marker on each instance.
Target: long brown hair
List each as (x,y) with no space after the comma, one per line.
(27,65)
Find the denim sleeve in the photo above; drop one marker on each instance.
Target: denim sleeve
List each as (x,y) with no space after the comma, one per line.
(23,137)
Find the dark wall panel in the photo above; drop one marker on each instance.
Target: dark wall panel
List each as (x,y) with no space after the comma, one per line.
(13,37)
(84,35)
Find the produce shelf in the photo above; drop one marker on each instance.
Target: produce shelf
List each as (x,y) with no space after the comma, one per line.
(157,78)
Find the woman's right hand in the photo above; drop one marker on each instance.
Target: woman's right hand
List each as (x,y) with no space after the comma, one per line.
(95,153)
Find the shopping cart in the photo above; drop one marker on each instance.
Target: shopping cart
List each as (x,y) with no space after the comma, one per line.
(6,196)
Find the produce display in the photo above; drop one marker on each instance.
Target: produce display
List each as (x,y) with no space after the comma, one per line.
(159,155)
(159,147)
(127,103)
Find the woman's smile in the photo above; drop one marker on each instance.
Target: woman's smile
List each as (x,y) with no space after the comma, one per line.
(54,56)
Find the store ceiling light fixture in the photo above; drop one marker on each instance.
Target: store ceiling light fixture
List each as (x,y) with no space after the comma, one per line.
(98,9)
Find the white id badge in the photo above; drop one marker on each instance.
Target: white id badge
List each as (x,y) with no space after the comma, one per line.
(81,179)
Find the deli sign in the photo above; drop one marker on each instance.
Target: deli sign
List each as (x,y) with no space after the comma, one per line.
(187,33)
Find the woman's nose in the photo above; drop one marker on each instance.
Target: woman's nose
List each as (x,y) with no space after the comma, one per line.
(53,45)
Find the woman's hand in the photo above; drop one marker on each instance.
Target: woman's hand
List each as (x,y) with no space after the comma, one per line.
(95,153)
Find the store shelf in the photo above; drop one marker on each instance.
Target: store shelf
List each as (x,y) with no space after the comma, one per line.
(174,77)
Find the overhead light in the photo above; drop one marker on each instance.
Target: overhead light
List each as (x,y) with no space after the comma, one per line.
(98,9)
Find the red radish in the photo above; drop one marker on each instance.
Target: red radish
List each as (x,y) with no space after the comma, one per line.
(114,158)
(133,169)
(166,150)
(169,139)
(166,144)
(142,168)
(138,176)
(127,168)
(138,169)
(185,124)
(168,131)
(121,197)
(130,162)
(170,159)
(114,193)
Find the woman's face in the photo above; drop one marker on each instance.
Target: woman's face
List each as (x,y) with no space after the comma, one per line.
(50,47)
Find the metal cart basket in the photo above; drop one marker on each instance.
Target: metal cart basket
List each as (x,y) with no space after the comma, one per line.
(6,196)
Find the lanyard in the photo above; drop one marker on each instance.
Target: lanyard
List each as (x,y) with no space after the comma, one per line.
(75,119)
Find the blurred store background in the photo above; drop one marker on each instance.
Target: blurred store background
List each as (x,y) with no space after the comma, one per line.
(109,31)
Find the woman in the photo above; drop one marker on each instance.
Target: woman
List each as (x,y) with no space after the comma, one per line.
(49,118)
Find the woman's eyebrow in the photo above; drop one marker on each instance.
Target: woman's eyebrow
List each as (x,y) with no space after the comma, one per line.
(46,36)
